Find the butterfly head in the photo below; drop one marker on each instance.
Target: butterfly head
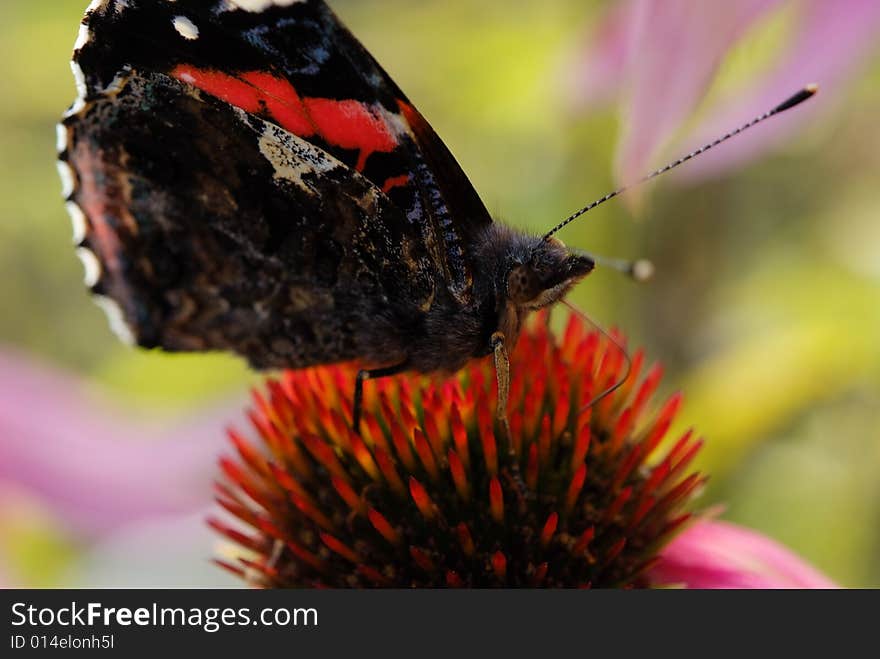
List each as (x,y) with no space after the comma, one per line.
(550,272)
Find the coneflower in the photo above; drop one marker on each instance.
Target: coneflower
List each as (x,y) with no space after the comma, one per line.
(432,492)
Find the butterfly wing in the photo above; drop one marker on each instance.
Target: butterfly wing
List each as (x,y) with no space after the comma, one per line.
(295,65)
(214,229)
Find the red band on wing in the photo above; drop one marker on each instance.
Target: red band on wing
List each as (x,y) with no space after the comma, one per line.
(395,182)
(230,89)
(282,102)
(347,124)
(351,125)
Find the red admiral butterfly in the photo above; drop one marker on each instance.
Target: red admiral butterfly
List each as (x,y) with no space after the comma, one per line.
(242,175)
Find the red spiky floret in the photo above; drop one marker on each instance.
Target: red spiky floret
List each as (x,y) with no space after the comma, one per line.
(432,492)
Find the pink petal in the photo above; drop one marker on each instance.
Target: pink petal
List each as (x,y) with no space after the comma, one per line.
(163,551)
(833,39)
(598,72)
(711,554)
(95,465)
(678,47)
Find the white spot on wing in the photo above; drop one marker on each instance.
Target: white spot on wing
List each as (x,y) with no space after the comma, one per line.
(81,90)
(91,265)
(82,37)
(65,173)
(80,79)
(261,5)
(292,157)
(77,220)
(115,318)
(186,28)
(78,105)
(61,138)
(95,5)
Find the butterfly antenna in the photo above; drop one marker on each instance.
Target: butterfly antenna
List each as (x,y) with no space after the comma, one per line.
(792,101)
(617,344)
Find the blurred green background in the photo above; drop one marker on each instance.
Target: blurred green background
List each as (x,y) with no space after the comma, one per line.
(765,304)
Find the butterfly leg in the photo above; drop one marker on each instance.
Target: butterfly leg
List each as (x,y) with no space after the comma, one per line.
(502,374)
(359,387)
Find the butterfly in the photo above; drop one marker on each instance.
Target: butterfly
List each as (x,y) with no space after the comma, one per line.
(242,175)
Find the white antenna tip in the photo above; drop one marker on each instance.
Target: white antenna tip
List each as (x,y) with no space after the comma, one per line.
(642,270)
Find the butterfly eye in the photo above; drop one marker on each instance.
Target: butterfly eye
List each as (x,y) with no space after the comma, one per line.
(522,284)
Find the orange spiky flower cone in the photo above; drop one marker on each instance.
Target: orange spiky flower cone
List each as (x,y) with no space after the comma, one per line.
(431,494)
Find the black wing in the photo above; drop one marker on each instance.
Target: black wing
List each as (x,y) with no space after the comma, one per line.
(213,229)
(291,64)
